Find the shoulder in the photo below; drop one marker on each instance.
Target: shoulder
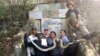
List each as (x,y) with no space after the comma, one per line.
(31,37)
(64,37)
(77,10)
(68,11)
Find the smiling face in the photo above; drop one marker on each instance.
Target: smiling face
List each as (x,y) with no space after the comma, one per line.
(46,32)
(34,31)
(70,5)
(62,33)
(53,35)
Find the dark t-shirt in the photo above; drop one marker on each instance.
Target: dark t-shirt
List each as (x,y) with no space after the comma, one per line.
(71,15)
(75,10)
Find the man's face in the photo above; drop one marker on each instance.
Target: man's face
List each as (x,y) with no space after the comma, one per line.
(46,31)
(62,33)
(34,31)
(69,6)
(53,35)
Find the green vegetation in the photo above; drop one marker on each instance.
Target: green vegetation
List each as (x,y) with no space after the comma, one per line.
(12,18)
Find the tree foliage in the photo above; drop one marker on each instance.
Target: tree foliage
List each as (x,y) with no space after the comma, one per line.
(12,18)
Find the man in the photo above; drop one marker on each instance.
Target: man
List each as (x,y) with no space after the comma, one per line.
(64,38)
(28,44)
(44,37)
(46,32)
(32,50)
(71,50)
(74,22)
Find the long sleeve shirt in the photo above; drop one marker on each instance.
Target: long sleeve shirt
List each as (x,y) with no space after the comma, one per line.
(65,39)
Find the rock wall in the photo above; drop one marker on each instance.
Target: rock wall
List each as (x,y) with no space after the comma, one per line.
(90,10)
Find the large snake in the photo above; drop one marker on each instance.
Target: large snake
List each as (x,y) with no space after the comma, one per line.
(65,46)
(70,43)
(51,48)
(47,49)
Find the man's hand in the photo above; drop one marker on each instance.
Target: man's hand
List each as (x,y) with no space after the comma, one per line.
(78,21)
(77,25)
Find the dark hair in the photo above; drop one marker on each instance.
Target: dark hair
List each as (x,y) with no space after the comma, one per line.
(52,32)
(63,30)
(33,29)
(46,30)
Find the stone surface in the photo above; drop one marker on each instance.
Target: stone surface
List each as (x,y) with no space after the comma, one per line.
(90,10)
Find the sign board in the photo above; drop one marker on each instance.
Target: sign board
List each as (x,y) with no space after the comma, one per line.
(35,14)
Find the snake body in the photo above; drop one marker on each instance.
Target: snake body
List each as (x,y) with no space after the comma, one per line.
(51,48)
(42,49)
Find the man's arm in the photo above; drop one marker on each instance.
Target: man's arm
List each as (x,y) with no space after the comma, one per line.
(67,14)
(78,16)
(78,20)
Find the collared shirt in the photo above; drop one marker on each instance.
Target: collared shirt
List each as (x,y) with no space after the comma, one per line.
(65,39)
(50,41)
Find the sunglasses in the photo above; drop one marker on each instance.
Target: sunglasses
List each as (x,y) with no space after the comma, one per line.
(45,29)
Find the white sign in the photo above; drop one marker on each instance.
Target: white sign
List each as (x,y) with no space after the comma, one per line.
(44,42)
(35,14)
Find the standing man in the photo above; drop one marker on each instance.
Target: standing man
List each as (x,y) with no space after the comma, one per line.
(74,20)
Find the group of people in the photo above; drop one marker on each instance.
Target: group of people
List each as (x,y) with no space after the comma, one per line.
(43,44)
(45,41)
